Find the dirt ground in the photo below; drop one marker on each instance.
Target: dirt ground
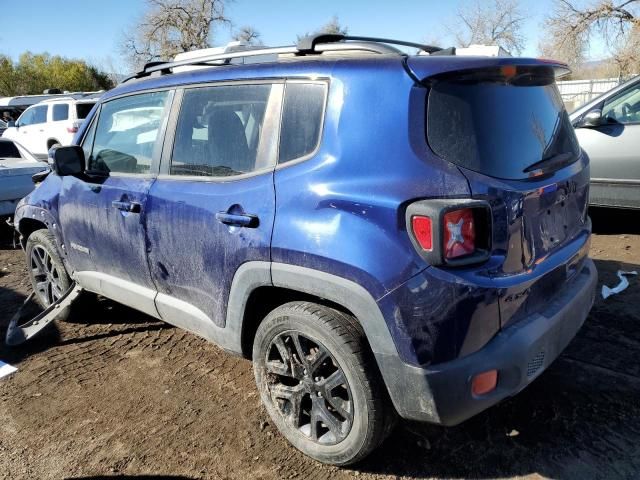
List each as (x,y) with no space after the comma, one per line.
(115,393)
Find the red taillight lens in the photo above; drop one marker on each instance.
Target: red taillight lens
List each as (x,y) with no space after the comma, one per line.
(422,231)
(72,129)
(459,233)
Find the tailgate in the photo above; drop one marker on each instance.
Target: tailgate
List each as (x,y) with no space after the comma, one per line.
(504,125)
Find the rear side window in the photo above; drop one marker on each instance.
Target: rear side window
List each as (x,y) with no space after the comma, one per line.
(301,119)
(83,109)
(218,131)
(60,112)
(9,150)
(499,127)
(126,133)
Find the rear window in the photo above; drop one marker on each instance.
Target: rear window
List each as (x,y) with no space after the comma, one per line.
(301,120)
(9,150)
(502,127)
(60,112)
(83,109)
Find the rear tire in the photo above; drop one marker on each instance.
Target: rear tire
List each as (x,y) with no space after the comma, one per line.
(319,382)
(49,277)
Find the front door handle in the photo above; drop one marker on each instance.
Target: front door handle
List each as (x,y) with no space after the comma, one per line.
(132,207)
(238,220)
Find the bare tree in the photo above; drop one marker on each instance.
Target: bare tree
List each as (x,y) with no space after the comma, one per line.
(169,27)
(498,22)
(572,25)
(332,26)
(248,35)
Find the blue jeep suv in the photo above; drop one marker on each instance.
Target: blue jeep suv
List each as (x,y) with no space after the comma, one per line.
(383,234)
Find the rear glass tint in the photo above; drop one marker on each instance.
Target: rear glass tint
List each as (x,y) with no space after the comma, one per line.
(9,150)
(500,128)
(83,109)
(301,120)
(60,112)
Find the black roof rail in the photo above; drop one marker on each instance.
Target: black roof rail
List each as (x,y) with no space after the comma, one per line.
(205,60)
(312,44)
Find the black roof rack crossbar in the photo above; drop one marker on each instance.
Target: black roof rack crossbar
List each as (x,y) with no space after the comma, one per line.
(306,46)
(308,43)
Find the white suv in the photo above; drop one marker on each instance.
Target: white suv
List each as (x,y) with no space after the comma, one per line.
(49,123)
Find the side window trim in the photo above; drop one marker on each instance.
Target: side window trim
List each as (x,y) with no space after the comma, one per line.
(267,156)
(294,161)
(90,131)
(270,124)
(169,138)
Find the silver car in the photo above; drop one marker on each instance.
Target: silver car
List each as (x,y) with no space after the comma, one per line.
(17,166)
(608,129)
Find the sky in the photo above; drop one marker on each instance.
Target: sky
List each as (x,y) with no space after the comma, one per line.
(92,29)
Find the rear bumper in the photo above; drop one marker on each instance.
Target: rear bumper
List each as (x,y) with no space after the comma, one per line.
(13,187)
(442,393)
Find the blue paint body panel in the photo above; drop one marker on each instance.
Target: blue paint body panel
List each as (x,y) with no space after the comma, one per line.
(99,236)
(192,255)
(341,211)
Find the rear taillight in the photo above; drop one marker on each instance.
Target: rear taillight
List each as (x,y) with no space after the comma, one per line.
(459,237)
(454,232)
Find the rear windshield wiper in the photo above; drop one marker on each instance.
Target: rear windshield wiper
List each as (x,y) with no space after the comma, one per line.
(553,162)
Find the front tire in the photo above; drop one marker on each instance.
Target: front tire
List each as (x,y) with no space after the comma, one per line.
(319,382)
(49,278)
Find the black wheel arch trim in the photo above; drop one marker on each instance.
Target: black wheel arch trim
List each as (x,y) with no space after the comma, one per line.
(348,294)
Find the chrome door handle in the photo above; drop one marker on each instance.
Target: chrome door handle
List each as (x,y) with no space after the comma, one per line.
(132,207)
(238,220)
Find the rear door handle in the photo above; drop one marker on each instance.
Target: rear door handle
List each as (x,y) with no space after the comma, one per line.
(133,207)
(238,220)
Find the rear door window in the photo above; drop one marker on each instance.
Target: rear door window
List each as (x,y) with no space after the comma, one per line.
(498,126)
(219,131)
(302,117)
(60,112)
